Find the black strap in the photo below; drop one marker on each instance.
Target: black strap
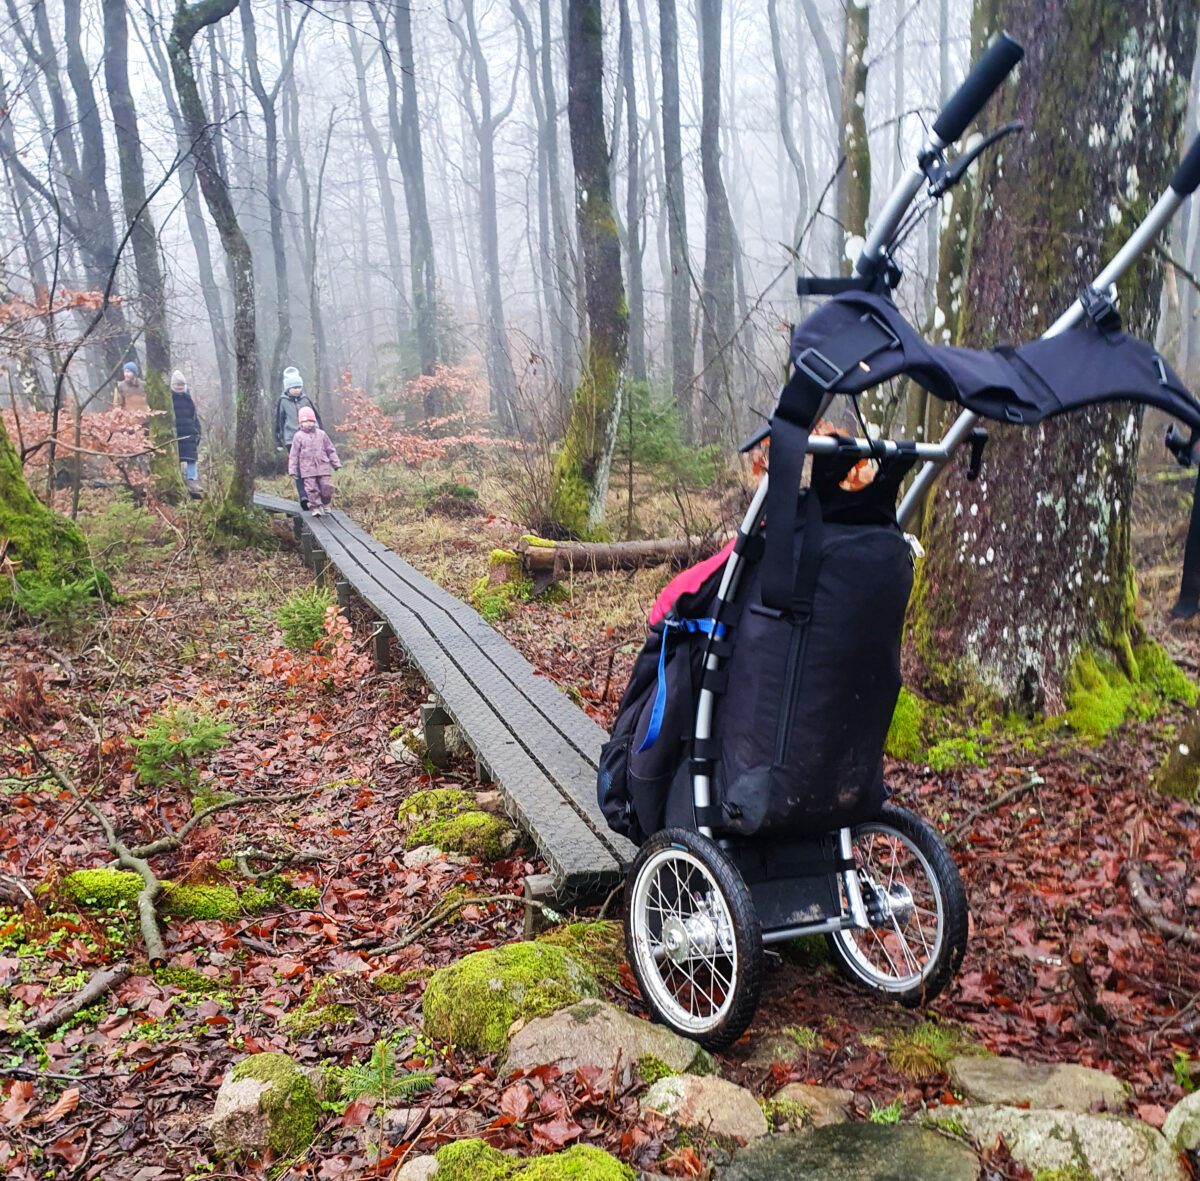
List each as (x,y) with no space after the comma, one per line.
(808,568)
(1188,603)
(839,354)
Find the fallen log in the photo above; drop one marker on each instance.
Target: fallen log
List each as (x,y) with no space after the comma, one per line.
(544,561)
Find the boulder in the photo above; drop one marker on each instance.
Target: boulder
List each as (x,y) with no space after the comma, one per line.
(1182,1125)
(1009,1082)
(856,1152)
(266,1102)
(424,855)
(825,1105)
(1108,1147)
(592,1033)
(473,1002)
(420,1168)
(709,1104)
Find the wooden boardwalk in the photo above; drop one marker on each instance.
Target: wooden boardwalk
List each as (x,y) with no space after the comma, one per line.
(540,749)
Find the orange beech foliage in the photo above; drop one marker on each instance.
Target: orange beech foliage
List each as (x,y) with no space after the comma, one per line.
(17,308)
(113,438)
(333,663)
(371,429)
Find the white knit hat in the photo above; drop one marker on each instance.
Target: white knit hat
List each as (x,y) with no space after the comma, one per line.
(292,379)
(178,381)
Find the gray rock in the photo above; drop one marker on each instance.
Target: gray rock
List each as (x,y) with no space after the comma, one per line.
(710,1104)
(826,1105)
(1182,1125)
(1009,1082)
(238,1122)
(420,1168)
(856,1152)
(768,1048)
(1110,1147)
(423,855)
(404,753)
(592,1033)
(491,801)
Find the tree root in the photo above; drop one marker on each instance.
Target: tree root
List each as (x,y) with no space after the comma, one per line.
(92,991)
(439,914)
(952,838)
(1152,909)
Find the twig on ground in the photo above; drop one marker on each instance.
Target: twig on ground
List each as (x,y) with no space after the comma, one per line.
(1152,909)
(1085,989)
(92,991)
(952,838)
(169,844)
(439,914)
(156,951)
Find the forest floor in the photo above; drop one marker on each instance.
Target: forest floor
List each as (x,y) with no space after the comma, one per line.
(1061,964)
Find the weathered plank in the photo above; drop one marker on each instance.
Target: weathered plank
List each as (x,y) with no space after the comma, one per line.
(540,749)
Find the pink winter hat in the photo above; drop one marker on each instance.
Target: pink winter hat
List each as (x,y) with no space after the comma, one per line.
(307,414)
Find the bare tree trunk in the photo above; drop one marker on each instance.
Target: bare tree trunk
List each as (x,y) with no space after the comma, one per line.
(189,20)
(485,125)
(831,70)
(633,202)
(1031,569)
(855,194)
(164,464)
(656,162)
(406,138)
(198,231)
(266,101)
(387,200)
(683,353)
(783,102)
(717,335)
(581,472)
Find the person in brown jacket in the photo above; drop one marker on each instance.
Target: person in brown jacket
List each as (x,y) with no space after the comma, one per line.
(313,459)
(129,393)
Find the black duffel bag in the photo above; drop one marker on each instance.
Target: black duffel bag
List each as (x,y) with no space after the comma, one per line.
(800,729)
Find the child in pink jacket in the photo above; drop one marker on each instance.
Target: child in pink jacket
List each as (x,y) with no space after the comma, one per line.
(314,460)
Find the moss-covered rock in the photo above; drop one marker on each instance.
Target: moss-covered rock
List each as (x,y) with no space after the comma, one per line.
(288,1103)
(600,945)
(474,1160)
(305,1020)
(472,1003)
(389,982)
(454,822)
(104,888)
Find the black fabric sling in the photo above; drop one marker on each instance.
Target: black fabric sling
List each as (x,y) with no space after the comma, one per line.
(1188,603)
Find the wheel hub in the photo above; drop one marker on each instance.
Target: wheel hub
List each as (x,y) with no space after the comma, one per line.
(675,940)
(895,903)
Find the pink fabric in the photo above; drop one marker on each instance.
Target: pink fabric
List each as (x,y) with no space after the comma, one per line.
(687,582)
(312,454)
(318,490)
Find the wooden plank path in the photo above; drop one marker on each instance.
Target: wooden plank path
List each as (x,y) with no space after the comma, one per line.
(540,749)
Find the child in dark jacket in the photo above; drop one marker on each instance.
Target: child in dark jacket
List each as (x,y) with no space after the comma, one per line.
(313,459)
(187,430)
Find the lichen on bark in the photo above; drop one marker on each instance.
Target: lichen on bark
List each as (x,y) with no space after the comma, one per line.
(1032,564)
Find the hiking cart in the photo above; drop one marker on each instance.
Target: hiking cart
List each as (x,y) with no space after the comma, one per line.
(746,759)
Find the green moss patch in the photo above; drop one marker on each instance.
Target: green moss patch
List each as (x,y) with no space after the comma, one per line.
(904,737)
(1101,696)
(650,1069)
(474,1160)
(922,1051)
(600,945)
(472,1003)
(200,902)
(454,822)
(290,1104)
(104,888)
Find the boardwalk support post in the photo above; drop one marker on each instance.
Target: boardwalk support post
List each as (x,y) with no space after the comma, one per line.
(539,887)
(442,737)
(381,645)
(343,594)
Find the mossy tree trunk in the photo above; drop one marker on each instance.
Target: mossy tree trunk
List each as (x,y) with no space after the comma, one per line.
(582,468)
(1032,564)
(43,547)
(189,20)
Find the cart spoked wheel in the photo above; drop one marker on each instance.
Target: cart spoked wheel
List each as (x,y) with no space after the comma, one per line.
(916,907)
(693,937)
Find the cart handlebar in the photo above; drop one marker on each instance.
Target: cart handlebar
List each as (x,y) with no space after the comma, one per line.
(1187,175)
(981,83)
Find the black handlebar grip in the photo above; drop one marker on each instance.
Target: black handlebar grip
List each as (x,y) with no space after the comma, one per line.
(1187,175)
(979,85)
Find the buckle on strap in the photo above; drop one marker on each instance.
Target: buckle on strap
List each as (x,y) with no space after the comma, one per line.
(1101,310)
(811,354)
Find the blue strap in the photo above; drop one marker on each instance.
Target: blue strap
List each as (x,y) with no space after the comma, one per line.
(707,627)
